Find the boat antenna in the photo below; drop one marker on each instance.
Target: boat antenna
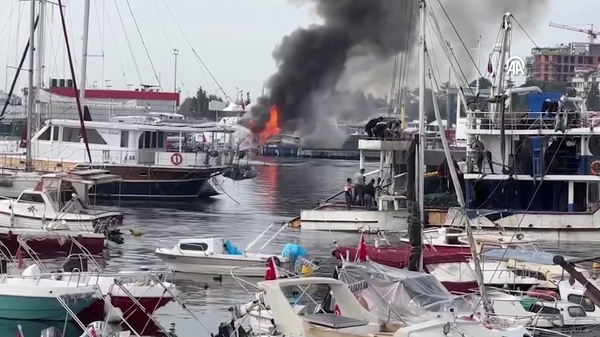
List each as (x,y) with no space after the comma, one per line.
(77,98)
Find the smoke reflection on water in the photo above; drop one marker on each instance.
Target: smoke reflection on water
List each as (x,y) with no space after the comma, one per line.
(278,193)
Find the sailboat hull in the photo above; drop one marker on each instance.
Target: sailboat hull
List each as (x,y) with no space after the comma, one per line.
(47,243)
(39,308)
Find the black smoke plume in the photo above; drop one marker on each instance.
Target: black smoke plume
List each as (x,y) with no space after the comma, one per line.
(310,61)
(358,38)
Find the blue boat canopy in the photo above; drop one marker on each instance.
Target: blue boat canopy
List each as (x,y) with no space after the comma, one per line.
(524,256)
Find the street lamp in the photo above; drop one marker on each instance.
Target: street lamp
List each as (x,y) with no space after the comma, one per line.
(175,53)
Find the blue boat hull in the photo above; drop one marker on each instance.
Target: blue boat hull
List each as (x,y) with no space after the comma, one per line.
(39,308)
(151,190)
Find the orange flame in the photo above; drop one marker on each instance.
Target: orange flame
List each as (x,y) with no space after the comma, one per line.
(272,127)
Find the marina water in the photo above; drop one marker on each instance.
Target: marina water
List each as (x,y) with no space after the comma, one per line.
(248,207)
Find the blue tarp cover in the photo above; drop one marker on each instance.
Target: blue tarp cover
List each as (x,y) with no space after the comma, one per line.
(231,249)
(525,256)
(293,251)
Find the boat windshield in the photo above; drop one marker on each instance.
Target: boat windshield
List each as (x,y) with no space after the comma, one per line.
(402,295)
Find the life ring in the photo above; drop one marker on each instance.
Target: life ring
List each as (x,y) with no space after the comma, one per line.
(177,159)
(595,167)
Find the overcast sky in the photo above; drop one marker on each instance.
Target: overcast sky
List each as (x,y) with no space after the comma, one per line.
(234,38)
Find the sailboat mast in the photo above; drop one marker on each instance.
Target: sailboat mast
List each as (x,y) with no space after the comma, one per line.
(84,52)
(40,65)
(422,141)
(30,97)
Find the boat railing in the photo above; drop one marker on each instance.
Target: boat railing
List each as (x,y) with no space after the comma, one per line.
(112,309)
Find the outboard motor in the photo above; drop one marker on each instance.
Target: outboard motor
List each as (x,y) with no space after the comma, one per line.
(228,329)
(51,332)
(77,262)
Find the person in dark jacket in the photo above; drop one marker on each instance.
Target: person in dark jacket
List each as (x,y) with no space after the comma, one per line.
(379,130)
(369,195)
(371,124)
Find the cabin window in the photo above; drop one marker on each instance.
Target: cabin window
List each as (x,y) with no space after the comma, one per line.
(540,309)
(585,302)
(124,138)
(31,197)
(71,135)
(576,312)
(45,135)
(55,130)
(94,137)
(199,246)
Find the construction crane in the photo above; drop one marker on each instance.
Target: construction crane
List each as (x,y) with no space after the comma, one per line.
(592,34)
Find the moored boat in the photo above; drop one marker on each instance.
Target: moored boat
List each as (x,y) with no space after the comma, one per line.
(59,209)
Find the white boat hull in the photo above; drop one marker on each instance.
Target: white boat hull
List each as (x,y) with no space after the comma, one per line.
(356,220)
(555,226)
(215,265)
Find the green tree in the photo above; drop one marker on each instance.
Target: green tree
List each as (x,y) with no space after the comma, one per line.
(186,107)
(199,104)
(484,83)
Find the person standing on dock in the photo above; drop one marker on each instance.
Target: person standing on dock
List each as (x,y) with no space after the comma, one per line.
(359,187)
(369,195)
(348,187)
(371,124)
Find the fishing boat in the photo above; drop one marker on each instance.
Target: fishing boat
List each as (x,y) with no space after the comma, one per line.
(389,215)
(533,170)
(27,297)
(57,209)
(218,256)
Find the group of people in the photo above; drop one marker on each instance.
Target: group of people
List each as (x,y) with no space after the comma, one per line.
(376,127)
(358,192)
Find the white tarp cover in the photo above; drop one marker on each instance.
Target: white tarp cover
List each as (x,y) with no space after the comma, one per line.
(413,297)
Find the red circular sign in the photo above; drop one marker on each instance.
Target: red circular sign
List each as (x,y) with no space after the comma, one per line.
(177,159)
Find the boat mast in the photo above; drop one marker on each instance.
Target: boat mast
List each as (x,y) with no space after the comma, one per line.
(422,141)
(40,64)
(84,52)
(30,97)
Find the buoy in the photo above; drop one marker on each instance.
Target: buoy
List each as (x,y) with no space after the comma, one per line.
(136,232)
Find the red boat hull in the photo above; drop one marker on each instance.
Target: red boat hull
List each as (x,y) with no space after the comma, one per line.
(131,312)
(53,246)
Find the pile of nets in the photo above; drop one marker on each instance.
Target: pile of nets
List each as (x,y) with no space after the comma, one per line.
(440,200)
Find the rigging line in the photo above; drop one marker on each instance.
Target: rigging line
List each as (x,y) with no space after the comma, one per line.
(99,26)
(137,69)
(452,57)
(564,76)
(144,44)
(196,54)
(169,43)
(459,38)
(160,58)
(112,31)
(6,23)
(402,80)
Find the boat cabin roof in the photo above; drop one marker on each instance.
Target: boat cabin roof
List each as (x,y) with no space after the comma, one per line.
(545,258)
(86,177)
(162,126)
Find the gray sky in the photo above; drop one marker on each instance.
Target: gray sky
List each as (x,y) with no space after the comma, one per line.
(234,38)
